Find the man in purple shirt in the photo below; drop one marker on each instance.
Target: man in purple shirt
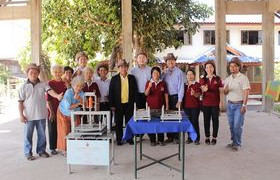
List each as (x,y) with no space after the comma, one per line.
(175,80)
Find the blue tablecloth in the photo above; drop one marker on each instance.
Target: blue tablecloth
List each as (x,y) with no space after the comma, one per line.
(156,126)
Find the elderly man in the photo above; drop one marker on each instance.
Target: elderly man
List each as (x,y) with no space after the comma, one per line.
(142,73)
(236,89)
(175,80)
(33,112)
(122,92)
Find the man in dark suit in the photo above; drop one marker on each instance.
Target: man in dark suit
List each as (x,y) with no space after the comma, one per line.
(122,92)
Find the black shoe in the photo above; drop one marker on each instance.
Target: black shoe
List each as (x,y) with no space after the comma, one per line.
(196,142)
(130,142)
(214,141)
(169,140)
(44,154)
(119,143)
(207,141)
(161,143)
(153,143)
(53,152)
(30,158)
(176,141)
(189,141)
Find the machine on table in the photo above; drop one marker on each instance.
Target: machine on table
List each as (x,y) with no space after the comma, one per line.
(90,143)
(170,115)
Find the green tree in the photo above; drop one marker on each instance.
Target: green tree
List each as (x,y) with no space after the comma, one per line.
(277,71)
(4,74)
(94,26)
(25,59)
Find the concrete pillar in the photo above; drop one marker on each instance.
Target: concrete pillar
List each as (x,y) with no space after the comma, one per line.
(197,75)
(36,47)
(267,53)
(127,30)
(220,47)
(220,35)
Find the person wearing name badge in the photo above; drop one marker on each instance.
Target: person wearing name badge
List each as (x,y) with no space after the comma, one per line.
(157,96)
(192,103)
(212,88)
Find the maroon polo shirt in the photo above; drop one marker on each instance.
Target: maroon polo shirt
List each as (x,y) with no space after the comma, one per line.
(92,88)
(58,87)
(155,99)
(212,96)
(192,101)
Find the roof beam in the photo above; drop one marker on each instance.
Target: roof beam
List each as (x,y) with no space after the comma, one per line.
(274,5)
(245,7)
(14,12)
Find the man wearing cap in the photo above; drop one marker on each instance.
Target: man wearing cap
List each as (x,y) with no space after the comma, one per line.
(236,89)
(175,80)
(142,73)
(33,111)
(122,92)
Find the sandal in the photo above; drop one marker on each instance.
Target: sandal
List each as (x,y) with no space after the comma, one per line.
(30,158)
(53,152)
(44,154)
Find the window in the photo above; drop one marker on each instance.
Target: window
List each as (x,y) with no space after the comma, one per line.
(251,37)
(254,73)
(184,37)
(209,37)
(180,36)
(187,39)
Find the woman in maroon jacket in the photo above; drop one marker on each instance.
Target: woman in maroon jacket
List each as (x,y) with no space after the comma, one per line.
(192,103)
(211,86)
(157,96)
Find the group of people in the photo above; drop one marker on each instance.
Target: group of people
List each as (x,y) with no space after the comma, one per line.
(171,88)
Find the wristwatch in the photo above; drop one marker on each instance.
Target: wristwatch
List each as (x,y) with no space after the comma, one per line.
(244,105)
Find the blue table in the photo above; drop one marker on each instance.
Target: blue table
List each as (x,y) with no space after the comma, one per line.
(156,126)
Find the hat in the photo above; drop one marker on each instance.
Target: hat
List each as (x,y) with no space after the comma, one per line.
(122,62)
(32,66)
(236,61)
(169,57)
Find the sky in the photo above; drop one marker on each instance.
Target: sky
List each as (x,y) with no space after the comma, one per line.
(15,34)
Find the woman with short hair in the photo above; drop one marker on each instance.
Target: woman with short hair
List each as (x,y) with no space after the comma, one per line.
(157,96)
(72,100)
(192,103)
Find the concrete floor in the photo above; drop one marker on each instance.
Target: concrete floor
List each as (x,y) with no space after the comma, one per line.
(258,159)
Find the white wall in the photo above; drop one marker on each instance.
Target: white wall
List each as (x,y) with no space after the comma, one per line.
(191,52)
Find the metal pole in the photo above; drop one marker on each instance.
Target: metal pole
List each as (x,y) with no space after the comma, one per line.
(179,146)
(135,158)
(141,151)
(183,154)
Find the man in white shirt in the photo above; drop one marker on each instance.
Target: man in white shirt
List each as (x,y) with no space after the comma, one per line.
(236,89)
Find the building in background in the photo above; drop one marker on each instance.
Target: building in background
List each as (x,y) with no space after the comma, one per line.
(244,39)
